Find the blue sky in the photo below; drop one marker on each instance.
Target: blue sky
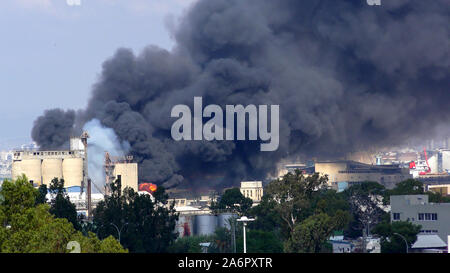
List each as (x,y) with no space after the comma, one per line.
(51,52)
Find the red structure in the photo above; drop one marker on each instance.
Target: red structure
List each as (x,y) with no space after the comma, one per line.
(428,165)
(186,230)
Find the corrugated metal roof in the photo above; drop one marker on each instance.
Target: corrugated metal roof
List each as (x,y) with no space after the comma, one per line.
(428,241)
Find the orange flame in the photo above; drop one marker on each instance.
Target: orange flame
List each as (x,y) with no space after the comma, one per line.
(148,187)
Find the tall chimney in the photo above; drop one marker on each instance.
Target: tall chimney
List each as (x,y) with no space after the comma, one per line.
(86,181)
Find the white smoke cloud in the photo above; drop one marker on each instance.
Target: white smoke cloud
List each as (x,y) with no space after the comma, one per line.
(102,139)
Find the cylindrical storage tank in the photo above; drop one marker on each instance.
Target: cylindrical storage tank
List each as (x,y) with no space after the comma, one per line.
(16,169)
(32,169)
(185,225)
(205,224)
(225,218)
(51,168)
(72,172)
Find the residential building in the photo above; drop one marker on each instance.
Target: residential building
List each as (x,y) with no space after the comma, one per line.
(433,217)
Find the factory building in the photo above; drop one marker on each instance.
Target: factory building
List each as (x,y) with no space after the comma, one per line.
(122,168)
(252,190)
(128,174)
(342,174)
(41,167)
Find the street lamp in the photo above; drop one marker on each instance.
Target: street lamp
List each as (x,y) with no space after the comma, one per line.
(119,231)
(204,247)
(404,239)
(244,220)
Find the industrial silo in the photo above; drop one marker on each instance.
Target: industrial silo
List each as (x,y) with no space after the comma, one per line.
(32,169)
(51,168)
(225,218)
(72,171)
(205,224)
(16,169)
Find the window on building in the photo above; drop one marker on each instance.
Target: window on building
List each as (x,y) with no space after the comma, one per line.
(428,217)
(396,216)
(428,231)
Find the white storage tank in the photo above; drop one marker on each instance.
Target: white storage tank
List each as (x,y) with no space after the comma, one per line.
(72,169)
(205,224)
(185,225)
(32,168)
(225,218)
(51,168)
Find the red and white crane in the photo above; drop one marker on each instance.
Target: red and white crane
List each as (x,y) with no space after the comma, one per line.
(428,170)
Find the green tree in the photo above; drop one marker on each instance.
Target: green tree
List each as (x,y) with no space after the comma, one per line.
(18,195)
(329,201)
(410,186)
(145,225)
(61,206)
(190,244)
(26,227)
(391,242)
(233,201)
(437,197)
(291,197)
(42,194)
(311,235)
(366,205)
(266,217)
(260,241)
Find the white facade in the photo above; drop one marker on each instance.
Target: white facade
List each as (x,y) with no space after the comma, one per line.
(41,167)
(252,190)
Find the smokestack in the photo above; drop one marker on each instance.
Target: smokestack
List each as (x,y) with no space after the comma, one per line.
(86,181)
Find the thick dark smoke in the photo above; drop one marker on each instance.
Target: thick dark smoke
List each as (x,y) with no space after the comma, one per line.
(347,76)
(53,129)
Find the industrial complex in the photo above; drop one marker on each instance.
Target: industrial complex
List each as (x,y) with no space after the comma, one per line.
(195,216)
(41,167)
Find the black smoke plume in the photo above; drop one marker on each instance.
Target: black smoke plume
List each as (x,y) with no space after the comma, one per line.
(53,129)
(347,76)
